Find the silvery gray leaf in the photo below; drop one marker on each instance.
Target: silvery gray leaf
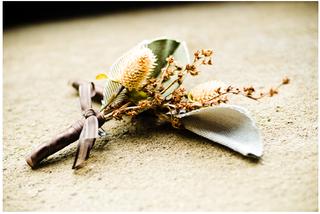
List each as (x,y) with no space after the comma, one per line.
(229,125)
(161,47)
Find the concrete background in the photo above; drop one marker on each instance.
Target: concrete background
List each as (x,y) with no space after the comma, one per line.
(165,169)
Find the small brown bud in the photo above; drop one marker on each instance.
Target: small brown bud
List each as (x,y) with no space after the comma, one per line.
(206,52)
(196,54)
(190,67)
(285,81)
(272,92)
(144,103)
(194,72)
(170,59)
(248,90)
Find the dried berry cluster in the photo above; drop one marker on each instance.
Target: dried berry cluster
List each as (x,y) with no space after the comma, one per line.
(153,95)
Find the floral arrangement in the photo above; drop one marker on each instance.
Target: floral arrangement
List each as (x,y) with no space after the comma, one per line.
(150,78)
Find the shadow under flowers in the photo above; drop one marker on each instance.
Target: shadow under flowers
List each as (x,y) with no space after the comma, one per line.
(143,127)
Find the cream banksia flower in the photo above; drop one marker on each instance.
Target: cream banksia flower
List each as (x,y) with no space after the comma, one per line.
(206,91)
(138,68)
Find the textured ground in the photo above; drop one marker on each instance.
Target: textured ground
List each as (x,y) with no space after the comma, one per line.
(165,169)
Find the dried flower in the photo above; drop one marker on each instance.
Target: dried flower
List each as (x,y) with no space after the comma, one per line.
(248,90)
(206,91)
(170,59)
(197,54)
(168,73)
(285,80)
(158,99)
(206,52)
(178,94)
(272,92)
(145,104)
(175,122)
(138,68)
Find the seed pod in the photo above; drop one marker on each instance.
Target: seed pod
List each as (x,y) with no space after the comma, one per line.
(206,91)
(138,68)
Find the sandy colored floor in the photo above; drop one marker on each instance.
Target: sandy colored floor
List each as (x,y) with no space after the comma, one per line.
(165,169)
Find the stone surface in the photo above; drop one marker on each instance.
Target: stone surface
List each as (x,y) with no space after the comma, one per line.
(165,169)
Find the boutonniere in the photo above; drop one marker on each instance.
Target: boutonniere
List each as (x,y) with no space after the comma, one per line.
(149,78)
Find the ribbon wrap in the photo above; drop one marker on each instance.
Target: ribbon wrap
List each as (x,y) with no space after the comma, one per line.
(73,132)
(89,132)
